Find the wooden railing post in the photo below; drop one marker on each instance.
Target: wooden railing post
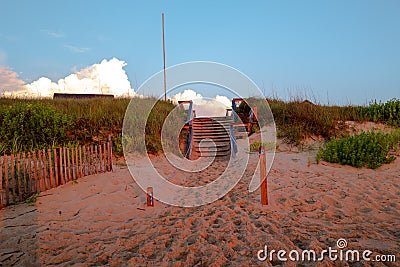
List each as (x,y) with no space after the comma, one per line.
(84,161)
(6,179)
(50,169)
(45,176)
(19,177)
(80,162)
(1,183)
(30,175)
(13,182)
(25,174)
(56,166)
(109,148)
(63,165)
(73,163)
(263,176)
(255,114)
(40,171)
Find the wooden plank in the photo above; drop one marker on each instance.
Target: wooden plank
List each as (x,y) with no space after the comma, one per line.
(87,152)
(69,165)
(51,169)
(30,175)
(73,163)
(77,162)
(105,156)
(88,160)
(60,164)
(25,173)
(80,162)
(5,158)
(56,175)
(100,159)
(35,173)
(13,182)
(40,171)
(65,180)
(63,166)
(96,157)
(110,152)
(60,169)
(83,161)
(45,176)
(19,177)
(1,183)
(91,160)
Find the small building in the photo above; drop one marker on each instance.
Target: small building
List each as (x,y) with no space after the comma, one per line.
(63,95)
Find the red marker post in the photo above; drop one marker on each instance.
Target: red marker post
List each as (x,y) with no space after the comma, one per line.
(263,176)
(150,198)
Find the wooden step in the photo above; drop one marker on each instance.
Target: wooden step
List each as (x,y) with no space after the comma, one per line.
(199,138)
(217,129)
(211,135)
(212,149)
(211,130)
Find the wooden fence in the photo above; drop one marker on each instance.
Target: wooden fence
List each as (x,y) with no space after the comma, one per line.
(26,174)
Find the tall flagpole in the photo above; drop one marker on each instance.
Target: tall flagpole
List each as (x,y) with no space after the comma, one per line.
(165,73)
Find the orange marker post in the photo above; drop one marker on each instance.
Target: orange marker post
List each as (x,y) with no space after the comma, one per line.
(150,198)
(263,176)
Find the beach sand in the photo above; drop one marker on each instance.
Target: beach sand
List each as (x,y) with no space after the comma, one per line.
(103,220)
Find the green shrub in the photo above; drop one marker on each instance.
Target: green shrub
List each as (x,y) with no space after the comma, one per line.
(137,123)
(388,112)
(255,146)
(26,126)
(87,121)
(370,149)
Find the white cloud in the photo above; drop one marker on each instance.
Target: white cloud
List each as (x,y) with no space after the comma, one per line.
(3,57)
(186,95)
(9,80)
(53,34)
(204,107)
(76,49)
(107,77)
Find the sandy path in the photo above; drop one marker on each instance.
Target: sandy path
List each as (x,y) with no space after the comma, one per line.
(100,220)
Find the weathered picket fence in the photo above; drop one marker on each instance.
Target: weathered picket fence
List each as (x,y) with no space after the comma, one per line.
(23,175)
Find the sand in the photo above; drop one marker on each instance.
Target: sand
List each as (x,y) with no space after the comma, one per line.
(103,220)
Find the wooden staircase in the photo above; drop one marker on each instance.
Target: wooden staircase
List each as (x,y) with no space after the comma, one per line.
(211,137)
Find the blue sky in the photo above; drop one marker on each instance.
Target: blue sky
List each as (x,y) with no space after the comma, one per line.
(337,51)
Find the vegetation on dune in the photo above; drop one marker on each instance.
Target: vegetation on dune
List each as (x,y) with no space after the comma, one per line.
(297,120)
(45,123)
(255,146)
(368,149)
(37,124)
(137,122)
(30,126)
(388,112)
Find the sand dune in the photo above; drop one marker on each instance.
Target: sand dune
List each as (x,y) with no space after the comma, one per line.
(102,220)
